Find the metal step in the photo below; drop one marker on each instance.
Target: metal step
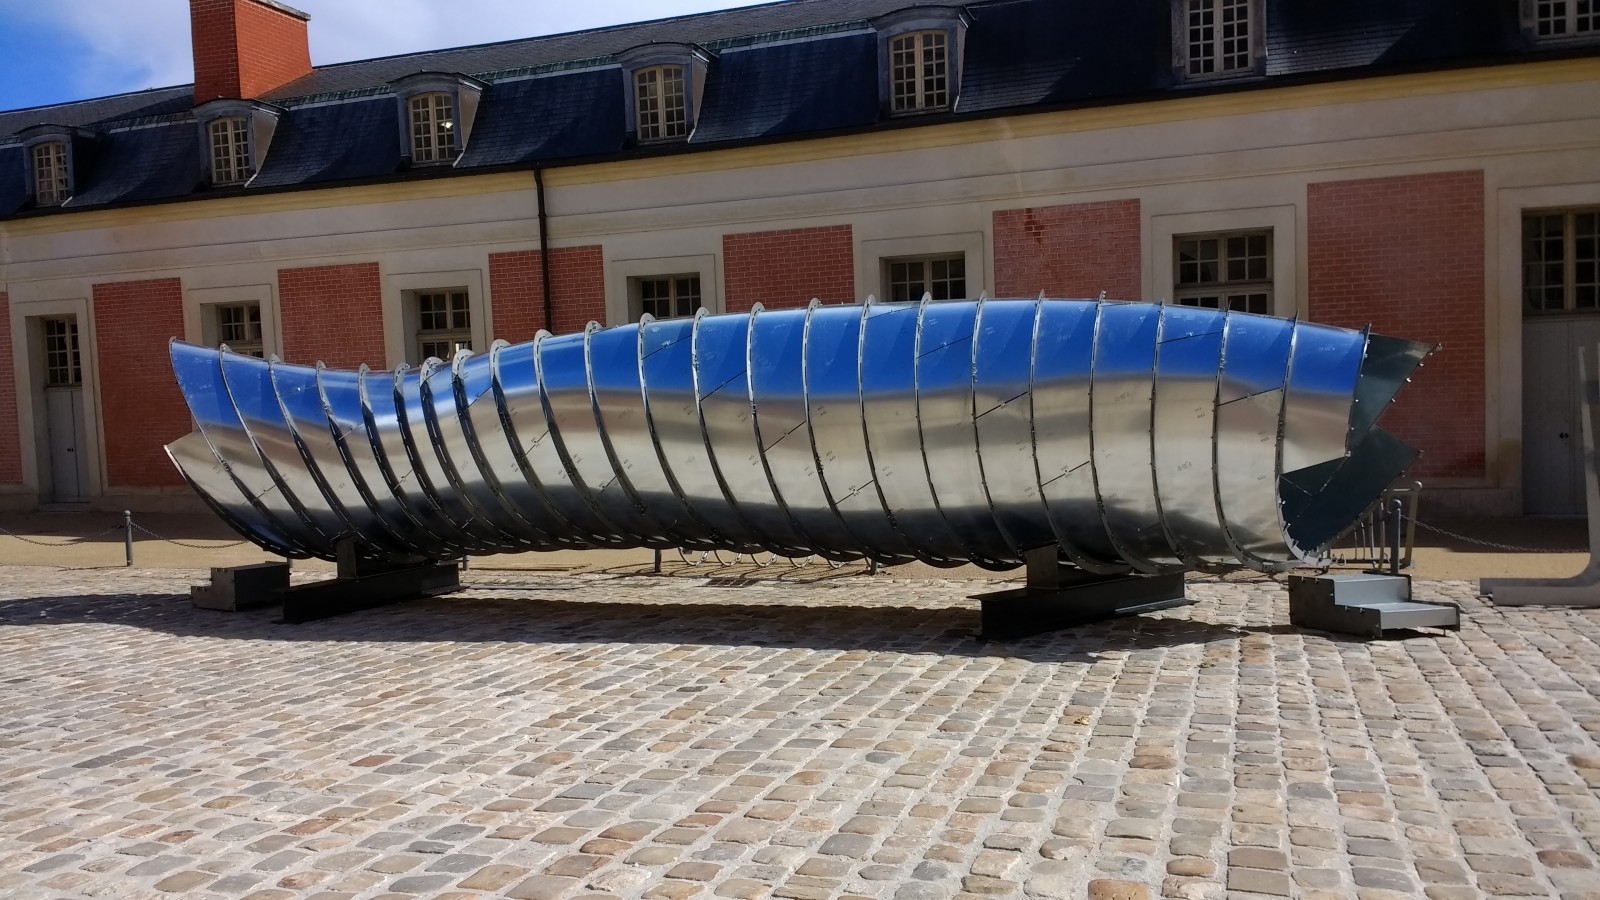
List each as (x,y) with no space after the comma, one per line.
(1367,605)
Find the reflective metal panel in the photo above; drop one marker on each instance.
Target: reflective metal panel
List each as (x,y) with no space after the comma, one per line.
(1127,436)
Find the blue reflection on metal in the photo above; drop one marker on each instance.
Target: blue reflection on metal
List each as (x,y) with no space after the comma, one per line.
(1132,437)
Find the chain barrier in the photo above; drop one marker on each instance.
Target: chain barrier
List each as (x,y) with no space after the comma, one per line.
(127,527)
(69,542)
(1493,545)
(186,544)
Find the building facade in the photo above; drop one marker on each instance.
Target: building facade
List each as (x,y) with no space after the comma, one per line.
(1430,168)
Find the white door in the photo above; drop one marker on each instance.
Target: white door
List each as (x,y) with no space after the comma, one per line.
(63,402)
(1552,435)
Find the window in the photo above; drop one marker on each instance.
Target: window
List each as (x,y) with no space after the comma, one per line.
(230,151)
(444,324)
(660,103)
(1561,261)
(62,365)
(239,326)
(50,183)
(1225,271)
(668,296)
(1217,37)
(942,277)
(1554,19)
(919,71)
(433,124)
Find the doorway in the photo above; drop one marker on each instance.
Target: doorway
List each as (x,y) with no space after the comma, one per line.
(63,411)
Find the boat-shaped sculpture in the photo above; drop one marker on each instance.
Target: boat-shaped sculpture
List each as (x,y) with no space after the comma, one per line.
(1132,437)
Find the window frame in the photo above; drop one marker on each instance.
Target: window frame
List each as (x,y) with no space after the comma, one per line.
(457,333)
(438,127)
(61,190)
(927,280)
(674,281)
(1571,265)
(248,346)
(1225,288)
(920,76)
(662,129)
(1533,19)
(1183,47)
(238,152)
(71,351)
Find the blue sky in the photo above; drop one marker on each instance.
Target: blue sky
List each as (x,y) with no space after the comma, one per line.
(53,51)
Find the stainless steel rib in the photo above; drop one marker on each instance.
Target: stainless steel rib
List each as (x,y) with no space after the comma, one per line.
(1130,436)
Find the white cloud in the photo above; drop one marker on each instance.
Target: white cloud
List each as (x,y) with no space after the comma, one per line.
(142,44)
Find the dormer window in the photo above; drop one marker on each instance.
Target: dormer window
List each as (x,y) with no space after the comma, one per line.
(433,129)
(1218,38)
(919,58)
(661,104)
(919,71)
(230,151)
(1555,20)
(664,81)
(436,113)
(235,135)
(51,176)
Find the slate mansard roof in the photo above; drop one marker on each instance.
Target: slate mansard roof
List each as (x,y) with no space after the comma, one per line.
(785,71)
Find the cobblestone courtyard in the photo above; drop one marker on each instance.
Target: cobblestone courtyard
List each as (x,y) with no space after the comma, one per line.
(543,735)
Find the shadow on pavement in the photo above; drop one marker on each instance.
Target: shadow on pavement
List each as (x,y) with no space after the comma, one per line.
(537,615)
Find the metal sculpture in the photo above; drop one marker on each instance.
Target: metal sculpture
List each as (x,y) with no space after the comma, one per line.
(1132,437)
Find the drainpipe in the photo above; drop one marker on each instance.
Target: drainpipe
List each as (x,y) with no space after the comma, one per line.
(544,250)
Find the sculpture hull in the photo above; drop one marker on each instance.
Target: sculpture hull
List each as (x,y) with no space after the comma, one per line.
(1132,437)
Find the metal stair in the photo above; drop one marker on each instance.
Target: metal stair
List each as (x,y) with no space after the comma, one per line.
(1366,605)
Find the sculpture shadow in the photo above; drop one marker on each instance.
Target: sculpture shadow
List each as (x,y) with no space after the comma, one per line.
(540,615)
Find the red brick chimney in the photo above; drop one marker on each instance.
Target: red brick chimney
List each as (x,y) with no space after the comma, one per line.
(245,48)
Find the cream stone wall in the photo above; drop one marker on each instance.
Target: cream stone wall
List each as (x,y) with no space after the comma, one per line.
(1194,164)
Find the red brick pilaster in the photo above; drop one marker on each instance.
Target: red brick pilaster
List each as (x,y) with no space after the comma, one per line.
(577,281)
(333,314)
(1405,255)
(141,408)
(1077,250)
(786,269)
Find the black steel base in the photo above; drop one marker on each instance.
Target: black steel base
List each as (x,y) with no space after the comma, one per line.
(1074,600)
(325,599)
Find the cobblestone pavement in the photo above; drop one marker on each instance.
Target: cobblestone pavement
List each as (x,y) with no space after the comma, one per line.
(543,735)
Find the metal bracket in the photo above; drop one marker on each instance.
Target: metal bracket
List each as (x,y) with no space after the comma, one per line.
(364,583)
(1057,597)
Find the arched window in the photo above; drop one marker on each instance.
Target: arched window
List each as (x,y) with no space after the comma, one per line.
(660,103)
(51,181)
(230,150)
(433,128)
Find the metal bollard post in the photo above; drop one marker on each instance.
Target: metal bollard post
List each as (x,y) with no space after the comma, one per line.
(658,562)
(1395,519)
(127,536)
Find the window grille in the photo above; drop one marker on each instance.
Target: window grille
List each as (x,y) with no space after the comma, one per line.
(919,71)
(433,128)
(942,277)
(239,326)
(62,365)
(444,324)
(661,106)
(1225,271)
(1218,36)
(669,296)
(230,151)
(1566,18)
(50,183)
(1561,261)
